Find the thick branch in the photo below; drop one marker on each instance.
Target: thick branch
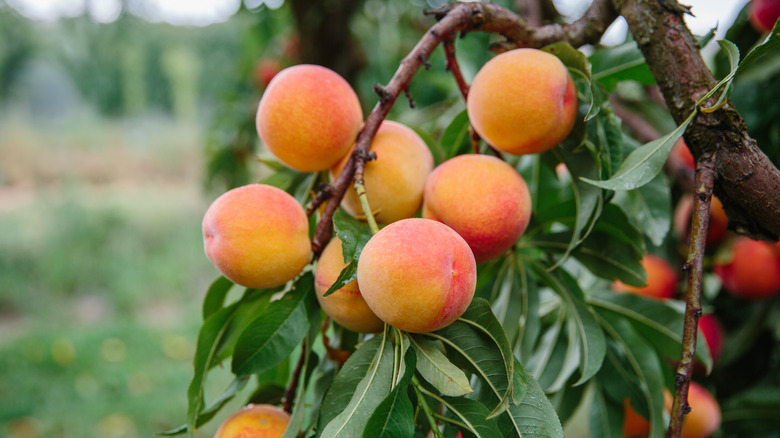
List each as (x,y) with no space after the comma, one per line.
(747,182)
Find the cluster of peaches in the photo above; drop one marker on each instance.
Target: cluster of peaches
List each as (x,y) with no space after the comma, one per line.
(416,274)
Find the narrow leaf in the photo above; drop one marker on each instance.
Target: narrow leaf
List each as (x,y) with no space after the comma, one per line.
(353,234)
(394,417)
(437,370)
(346,276)
(651,206)
(215,297)
(535,415)
(474,415)
(605,416)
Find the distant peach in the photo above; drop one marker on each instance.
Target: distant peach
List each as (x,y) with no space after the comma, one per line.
(395,180)
(661,279)
(704,418)
(753,272)
(346,306)
(483,199)
(718,220)
(634,425)
(710,328)
(417,275)
(264,71)
(763,14)
(257,236)
(309,117)
(523,101)
(255,421)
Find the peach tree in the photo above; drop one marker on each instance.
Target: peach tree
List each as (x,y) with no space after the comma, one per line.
(462,280)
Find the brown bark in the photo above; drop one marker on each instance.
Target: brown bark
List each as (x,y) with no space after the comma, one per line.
(747,182)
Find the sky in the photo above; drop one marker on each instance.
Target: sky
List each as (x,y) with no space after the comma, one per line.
(708,13)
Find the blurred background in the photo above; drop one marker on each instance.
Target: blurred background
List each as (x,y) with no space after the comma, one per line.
(120,120)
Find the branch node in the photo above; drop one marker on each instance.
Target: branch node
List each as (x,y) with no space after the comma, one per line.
(408,95)
(424,60)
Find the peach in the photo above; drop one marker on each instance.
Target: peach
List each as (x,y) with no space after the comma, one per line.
(257,236)
(308,117)
(709,327)
(523,101)
(255,421)
(634,425)
(661,279)
(763,14)
(683,155)
(417,275)
(704,418)
(718,220)
(483,199)
(753,271)
(346,306)
(395,180)
(264,71)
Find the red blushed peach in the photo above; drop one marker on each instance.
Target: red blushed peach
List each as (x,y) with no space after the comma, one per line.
(763,14)
(346,306)
(753,271)
(264,71)
(523,101)
(255,421)
(257,236)
(395,180)
(709,327)
(417,275)
(683,155)
(483,199)
(309,117)
(718,220)
(661,279)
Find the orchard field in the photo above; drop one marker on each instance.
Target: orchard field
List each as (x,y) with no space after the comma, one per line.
(398,219)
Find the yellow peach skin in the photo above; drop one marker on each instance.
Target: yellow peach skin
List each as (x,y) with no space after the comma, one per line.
(255,421)
(395,180)
(523,101)
(481,197)
(346,306)
(309,117)
(257,236)
(417,275)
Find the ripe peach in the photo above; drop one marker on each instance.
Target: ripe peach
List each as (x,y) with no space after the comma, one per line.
(308,117)
(481,197)
(661,279)
(763,14)
(523,101)
(255,421)
(704,418)
(346,306)
(718,220)
(634,425)
(753,271)
(709,327)
(417,275)
(257,236)
(395,180)
(683,155)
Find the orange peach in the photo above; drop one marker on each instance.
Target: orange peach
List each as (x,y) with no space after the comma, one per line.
(718,220)
(257,236)
(481,197)
(417,275)
(661,279)
(683,155)
(255,421)
(634,425)
(346,306)
(753,271)
(395,180)
(309,117)
(704,418)
(523,101)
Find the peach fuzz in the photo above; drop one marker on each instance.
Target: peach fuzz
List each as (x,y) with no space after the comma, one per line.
(255,421)
(753,271)
(257,236)
(523,101)
(483,199)
(308,117)
(661,279)
(417,275)
(346,306)
(394,181)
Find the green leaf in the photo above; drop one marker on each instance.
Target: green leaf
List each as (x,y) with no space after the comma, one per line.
(298,414)
(605,416)
(643,163)
(571,359)
(346,381)
(215,297)
(591,335)
(619,63)
(660,322)
(373,388)
(530,322)
(651,206)
(645,365)
(346,276)
(208,413)
(394,417)
(273,335)
(353,234)
(456,138)
(474,416)
(769,46)
(535,415)
(732,53)
(437,370)
(506,298)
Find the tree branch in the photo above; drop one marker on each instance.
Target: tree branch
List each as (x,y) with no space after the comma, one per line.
(747,182)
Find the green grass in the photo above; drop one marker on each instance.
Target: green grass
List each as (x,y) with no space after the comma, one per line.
(102,274)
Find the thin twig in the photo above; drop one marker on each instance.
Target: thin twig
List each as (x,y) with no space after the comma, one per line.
(694,266)
(289,395)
